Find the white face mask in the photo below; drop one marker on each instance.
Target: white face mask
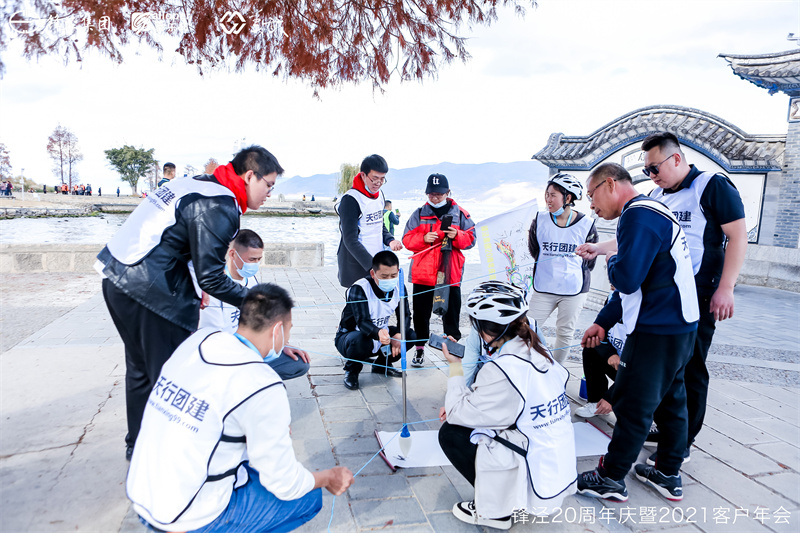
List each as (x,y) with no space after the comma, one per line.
(440,204)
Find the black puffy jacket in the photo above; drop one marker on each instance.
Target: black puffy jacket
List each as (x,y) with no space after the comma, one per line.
(161,282)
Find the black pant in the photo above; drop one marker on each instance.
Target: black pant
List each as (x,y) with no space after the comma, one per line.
(696,377)
(423,305)
(595,369)
(356,345)
(650,385)
(149,341)
(456,445)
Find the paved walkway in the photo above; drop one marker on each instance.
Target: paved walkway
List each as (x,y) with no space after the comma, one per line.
(62,419)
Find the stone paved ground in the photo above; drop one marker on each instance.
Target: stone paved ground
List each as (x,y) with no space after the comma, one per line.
(63,419)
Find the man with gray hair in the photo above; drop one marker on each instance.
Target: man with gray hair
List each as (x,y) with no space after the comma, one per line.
(652,270)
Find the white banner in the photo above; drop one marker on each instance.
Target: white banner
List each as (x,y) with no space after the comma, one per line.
(502,242)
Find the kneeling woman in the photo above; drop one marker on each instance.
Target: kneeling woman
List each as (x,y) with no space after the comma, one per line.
(510,435)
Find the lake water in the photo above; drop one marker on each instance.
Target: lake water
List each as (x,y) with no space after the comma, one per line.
(98,230)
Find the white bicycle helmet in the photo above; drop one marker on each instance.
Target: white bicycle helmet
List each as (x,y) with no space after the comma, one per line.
(497,301)
(569,183)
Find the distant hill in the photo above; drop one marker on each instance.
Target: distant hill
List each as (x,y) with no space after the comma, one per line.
(467,181)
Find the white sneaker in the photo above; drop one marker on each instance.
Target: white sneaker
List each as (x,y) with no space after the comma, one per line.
(587,411)
(465,511)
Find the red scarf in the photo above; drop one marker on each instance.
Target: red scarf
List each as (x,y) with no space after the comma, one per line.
(228,178)
(358,184)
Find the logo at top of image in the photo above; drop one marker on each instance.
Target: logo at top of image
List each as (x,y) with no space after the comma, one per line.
(140,22)
(232,22)
(23,23)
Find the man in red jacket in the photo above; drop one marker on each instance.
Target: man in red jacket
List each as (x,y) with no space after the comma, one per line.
(438,258)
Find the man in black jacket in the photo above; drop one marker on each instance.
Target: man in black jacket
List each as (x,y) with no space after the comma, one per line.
(170,249)
(361,222)
(364,330)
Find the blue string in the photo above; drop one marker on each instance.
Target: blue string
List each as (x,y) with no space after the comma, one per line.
(439,286)
(333,505)
(417,368)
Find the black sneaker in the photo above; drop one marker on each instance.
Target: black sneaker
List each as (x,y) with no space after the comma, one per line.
(652,459)
(419,358)
(594,483)
(669,487)
(128,453)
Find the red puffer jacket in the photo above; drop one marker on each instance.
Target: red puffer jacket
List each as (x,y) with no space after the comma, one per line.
(428,257)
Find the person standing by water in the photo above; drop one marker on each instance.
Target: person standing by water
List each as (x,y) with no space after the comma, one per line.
(437,233)
(361,222)
(169,174)
(390,218)
(561,279)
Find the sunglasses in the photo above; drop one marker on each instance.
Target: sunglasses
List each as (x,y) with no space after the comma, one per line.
(653,169)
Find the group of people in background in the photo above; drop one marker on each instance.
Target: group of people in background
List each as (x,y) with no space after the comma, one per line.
(206,456)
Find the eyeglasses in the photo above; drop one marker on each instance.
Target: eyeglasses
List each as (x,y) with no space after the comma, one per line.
(377,180)
(590,194)
(263,178)
(653,169)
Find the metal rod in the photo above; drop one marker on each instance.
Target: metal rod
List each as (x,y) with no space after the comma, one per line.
(402,289)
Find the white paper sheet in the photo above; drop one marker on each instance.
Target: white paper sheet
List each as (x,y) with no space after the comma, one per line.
(425,449)
(589,440)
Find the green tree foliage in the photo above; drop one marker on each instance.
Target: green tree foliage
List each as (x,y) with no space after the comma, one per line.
(131,163)
(346,174)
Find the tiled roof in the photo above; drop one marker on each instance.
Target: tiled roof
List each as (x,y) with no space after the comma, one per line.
(733,149)
(774,72)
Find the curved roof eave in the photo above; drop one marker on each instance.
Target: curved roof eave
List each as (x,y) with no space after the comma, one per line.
(733,149)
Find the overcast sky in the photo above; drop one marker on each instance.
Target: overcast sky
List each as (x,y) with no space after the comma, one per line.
(569,66)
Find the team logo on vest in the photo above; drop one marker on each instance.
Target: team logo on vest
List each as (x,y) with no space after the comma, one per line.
(173,395)
(555,410)
(562,247)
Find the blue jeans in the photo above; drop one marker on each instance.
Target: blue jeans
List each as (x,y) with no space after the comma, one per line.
(253,509)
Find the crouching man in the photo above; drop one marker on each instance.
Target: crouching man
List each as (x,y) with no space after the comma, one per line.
(214,452)
(364,330)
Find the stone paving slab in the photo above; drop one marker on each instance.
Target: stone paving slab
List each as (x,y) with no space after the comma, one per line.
(61,449)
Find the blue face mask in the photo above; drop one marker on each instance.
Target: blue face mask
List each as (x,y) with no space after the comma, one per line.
(440,204)
(558,212)
(273,353)
(248,270)
(387,285)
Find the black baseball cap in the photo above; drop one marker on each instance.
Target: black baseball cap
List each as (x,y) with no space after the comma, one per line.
(437,183)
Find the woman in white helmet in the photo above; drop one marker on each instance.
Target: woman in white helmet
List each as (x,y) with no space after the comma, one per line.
(510,435)
(561,279)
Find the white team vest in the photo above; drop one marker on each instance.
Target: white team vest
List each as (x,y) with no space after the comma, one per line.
(370,223)
(380,311)
(617,336)
(684,275)
(559,271)
(222,316)
(685,206)
(205,380)
(143,228)
(546,423)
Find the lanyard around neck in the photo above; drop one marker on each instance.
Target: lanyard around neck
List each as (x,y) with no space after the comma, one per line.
(569,219)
